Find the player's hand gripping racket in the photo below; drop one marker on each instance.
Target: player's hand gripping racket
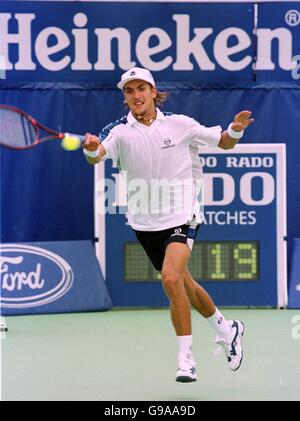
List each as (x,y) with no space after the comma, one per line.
(18,130)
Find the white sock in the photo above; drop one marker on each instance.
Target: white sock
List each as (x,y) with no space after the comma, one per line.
(220,324)
(185,344)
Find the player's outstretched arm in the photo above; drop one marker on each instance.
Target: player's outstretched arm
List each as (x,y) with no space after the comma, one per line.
(93,150)
(231,136)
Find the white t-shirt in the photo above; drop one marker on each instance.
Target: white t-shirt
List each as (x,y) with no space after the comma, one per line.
(162,165)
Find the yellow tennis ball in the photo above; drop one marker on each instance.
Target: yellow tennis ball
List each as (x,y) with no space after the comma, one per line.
(70,143)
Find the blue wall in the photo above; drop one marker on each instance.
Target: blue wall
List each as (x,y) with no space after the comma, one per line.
(47,193)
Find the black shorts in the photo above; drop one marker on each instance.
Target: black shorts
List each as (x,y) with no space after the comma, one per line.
(155,242)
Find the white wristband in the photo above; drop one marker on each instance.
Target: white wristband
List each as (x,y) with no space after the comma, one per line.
(91,154)
(234,134)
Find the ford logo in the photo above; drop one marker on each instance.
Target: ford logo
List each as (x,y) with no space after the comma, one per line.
(32,276)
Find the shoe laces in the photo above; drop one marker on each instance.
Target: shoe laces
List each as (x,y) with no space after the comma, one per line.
(224,345)
(186,362)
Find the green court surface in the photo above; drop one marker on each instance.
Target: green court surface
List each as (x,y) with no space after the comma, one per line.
(131,355)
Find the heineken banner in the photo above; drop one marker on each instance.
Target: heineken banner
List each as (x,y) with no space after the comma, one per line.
(200,42)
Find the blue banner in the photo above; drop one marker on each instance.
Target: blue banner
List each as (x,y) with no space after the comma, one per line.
(279,32)
(55,69)
(200,42)
(51,277)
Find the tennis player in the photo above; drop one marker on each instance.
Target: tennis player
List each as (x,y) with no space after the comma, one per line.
(154,146)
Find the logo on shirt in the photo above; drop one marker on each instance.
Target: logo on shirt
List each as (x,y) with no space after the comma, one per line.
(178,231)
(167,143)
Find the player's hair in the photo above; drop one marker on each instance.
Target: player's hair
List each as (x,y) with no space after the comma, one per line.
(161,97)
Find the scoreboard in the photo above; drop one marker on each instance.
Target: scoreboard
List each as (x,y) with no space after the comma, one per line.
(210,261)
(239,255)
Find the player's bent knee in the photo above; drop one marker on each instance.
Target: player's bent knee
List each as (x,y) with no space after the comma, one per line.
(171,280)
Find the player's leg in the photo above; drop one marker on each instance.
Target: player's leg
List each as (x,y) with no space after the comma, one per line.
(229,332)
(169,254)
(176,258)
(197,295)
(175,261)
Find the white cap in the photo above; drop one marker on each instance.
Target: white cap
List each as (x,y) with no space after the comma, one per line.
(136,73)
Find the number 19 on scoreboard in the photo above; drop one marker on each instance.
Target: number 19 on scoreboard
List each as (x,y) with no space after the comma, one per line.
(224,260)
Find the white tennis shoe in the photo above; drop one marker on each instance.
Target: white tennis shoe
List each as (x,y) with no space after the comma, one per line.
(233,345)
(186,371)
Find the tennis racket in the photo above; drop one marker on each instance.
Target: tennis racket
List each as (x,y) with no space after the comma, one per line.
(18,130)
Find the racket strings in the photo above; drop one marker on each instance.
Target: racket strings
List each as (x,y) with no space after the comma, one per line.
(15,129)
